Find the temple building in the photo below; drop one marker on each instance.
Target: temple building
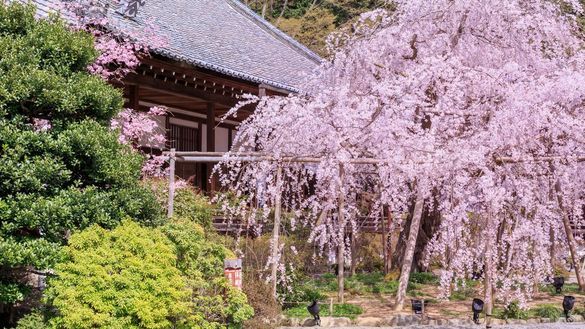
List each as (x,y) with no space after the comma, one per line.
(213,52)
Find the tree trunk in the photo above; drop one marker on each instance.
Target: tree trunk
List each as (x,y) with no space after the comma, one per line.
(341,238)
(570,236)
(429,223)
(276,231)
(283,10)
(264,8)
(409,253)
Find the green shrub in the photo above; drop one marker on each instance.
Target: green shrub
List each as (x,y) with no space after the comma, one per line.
(513,311)
(424,278)
(547,311)
(339,310)
(34,320)
(124,278)
(188,202)
(213,302)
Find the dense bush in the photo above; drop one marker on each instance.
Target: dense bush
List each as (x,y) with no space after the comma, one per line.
(123,278)
(139,277)
(61,167)
(213,302)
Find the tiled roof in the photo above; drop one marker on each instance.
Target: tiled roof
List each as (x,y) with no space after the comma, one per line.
(223,36)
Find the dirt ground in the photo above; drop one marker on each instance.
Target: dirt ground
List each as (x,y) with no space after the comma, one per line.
(381,305)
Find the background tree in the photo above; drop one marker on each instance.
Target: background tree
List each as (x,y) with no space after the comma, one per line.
(462,112)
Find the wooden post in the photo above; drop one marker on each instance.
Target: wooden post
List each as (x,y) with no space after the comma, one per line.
(210,143)
(353,265)
(488,285)
(570,236)
(409,253)
(134,97)
(171,202)
(341,239)
(276,229)
(384,242)
(330,306)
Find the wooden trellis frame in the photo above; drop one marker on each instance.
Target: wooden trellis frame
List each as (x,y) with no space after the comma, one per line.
(214,157)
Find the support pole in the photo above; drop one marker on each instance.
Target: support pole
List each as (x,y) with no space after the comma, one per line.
(488,285)
(341,239)
(353,266)
(210,124)
(409,253)
(170,206)
(276,230)
(570,236)
(384,242)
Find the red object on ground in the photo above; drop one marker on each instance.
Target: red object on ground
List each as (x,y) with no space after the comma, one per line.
(232,270)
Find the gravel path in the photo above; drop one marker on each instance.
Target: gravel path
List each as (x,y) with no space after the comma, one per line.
(509,326)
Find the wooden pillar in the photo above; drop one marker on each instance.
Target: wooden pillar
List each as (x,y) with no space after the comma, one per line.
(170,206)
(230,137)
(488,263)
(385,241)
(210,143)
(341,238)
(134,97)
(276,230)
(354,264)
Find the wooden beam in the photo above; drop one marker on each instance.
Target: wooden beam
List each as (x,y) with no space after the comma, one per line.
(237,84)
(180,90)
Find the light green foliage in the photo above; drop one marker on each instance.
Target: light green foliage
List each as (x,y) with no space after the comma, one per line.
(339,310)
(550,311)
(189,204)
(123,278)
(213,301)
(512,311)
(139,277)
(73,175)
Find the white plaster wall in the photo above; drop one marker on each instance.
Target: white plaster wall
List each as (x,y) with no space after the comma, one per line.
(185,123)
(221,139)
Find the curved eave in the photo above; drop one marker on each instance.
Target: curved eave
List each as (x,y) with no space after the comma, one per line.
(226,71)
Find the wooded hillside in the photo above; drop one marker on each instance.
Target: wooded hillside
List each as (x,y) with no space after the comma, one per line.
(311,21)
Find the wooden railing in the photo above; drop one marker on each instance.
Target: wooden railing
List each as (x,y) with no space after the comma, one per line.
(235,226)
